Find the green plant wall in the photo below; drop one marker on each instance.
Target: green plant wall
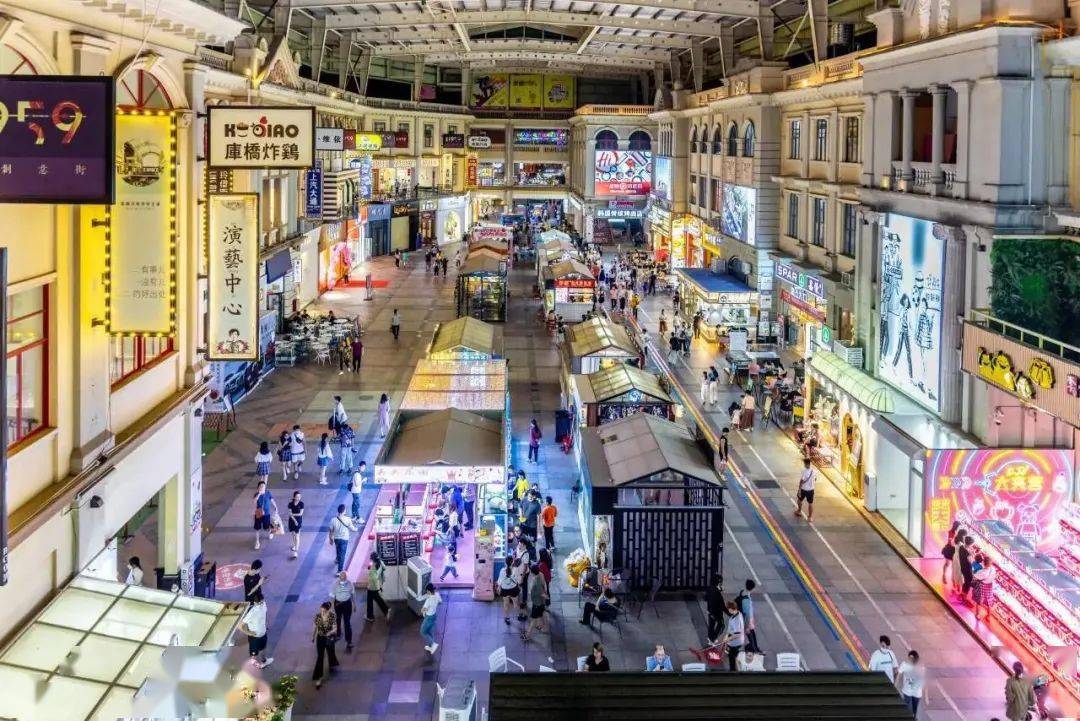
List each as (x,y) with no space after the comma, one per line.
(1036,284)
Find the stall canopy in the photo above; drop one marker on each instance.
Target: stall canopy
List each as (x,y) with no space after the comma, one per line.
(616,381)
(642,446)
(491,244)
(482,264)
(471,385)
(872,393)
(449,437)
(716,284)
(464,336)
(554,235)
(568,269)
(484,251)
(599,336)
(557,245)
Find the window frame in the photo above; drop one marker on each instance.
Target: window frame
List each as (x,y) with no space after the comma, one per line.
(749,139)
(142,363)
(852,137)
(849,233)
(793,215)
(795,139)
(818,220)
(733,141)
(16,438)
(821,140)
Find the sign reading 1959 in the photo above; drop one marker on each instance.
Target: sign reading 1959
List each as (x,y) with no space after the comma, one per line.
(56,139)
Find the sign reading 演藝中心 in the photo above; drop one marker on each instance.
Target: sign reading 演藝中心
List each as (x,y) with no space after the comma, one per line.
(260,137)
(233,262)
(141,242)
(56,139)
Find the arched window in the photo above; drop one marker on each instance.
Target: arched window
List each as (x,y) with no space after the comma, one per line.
(12,62)
(140,90)
(733,140)
(693,140)
(717,140)
(748,140)
(640,140)
(607,140)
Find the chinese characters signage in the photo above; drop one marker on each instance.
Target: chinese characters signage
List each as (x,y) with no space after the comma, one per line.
(56,139)
(454,140)
(234,277)
(254,137)
(812,284)
(329,139)
(472,171)
(479,141)
(369,141)
(313,191)
(1025,490)
(141,238)
(575,283)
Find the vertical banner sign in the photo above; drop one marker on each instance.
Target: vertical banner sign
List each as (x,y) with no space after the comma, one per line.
(233,332)
(3,425)
(313,191)
(472,171)
(447,170)
(140,240)
(365,177)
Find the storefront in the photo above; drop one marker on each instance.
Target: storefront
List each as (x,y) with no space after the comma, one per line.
(539,174)
(805,308)
(617,392)
(452,219)
(427,219)
(540,210)
(487,206)
(725,303)
(593,345)
(625,218)
(569,290)
(378,228)
(404,225)
(659,232)
(491,174)
(335,255)
(481,287)
(464,338)
(392,176)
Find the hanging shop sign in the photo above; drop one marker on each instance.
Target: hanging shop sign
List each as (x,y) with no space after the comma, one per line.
(370,142)
(233,262)
(329,138)
(56,139)
(140,239)
(365,177)
(479,142)
(793,275)
(472,171)
(313,191)
(348,139)
(447,170)
(453,140)
(575,283)
(260,137)
(400,210)
(803,305)
(620,213)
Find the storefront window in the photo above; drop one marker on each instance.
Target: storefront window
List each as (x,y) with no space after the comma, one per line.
(429,136)
(129,355)
(491,174)
(27,363)
(539,174)
(818,236)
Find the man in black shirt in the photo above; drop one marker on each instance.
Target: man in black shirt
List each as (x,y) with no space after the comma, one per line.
(714,604)
(597,661)
(724,444)
(253,580)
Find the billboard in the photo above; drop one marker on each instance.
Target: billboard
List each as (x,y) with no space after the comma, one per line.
(453,140)
(559,92)
(623,172)
(526,91)
(260,137)
(554,137)
(1025,490)
(329,138)
(233,262)
(56,141)
(491,91)
(662,177)
(738,217)
(140,272)
(912,267)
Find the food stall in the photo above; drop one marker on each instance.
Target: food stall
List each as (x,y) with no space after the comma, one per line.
(617,392)
(481,287)
(595,344)
(651,503)
(724,301)
(464,338)
(569,289)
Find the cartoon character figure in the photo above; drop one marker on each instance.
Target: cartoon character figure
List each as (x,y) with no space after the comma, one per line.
(1002,511)
(1002,372)
(986,364)
(1027,525)
(1024,387)
(1041,373)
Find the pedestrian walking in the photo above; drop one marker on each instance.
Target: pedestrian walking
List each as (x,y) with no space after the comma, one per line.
(747,411)
(538,598)
(714,385)
(346,437)
(265,508)
(507,586)
(429,611)
(661,324)
(340,527)
(766,411)
(704,387)
(957,575)
(134,572)
(715,606)
(547,519)
(468,498)
(325,455)
(253,580)
(534,441)
(745,602)
(983,588)
(1019,695)
(343,594)
(635,301)
(356,488)
(284,454)
(724,445)
(338,415)
(395,324)
(883,660)
(912,680)
(376,579)
(254,627)
(964,557)
(384,415)
(324,636)
(734,634)
(298,450)
(948,552)
(296,521)
(807,481)
(397,259)
(357,354)
(674,346)
(263,460)
(530,515)
(450,562)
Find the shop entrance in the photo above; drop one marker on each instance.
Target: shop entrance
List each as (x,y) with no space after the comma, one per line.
(851,456)
(380,237)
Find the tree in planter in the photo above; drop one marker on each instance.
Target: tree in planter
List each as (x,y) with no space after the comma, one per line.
(1036,284)
(283,695)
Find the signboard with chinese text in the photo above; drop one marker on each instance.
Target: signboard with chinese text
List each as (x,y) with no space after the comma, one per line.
(447,170)
(803,304)
(370,141)
(140,274)
(575,283)
(313,191)
(1025,490)
(329,138)
(56,139)
(623,172)
(233,261)
(472,171)
(260,137)
(454,140)
(791,274)
(526,91)
(365,177)
(378,212)
(559,92)
(479,142)
(401,139)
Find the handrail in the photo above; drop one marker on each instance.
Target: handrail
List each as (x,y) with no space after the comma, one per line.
(1051,346)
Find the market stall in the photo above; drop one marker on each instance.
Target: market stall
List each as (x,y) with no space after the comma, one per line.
(569,290)
(595,344)
(651,503)
(724,302)
(464,338)
(481,287)
(617,392)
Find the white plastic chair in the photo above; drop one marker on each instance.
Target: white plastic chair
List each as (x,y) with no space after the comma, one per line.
(788,662)
(695,667)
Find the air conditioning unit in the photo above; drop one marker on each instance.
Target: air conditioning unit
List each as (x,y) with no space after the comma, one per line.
(458,701)
(849,352)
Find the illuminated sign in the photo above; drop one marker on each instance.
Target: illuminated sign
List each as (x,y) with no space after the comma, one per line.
(623,172)
(479,141)
(401,139)
(56,139)
(453,140)
(260,137)
(403,209)
(620,213)
(472,171)
(1025,490)
(442,475)
(140,245)
(663,178)
(575,283)
(812,284)
(329,138)
(313,191)
(803,304)
(738,217)
(370,141)
(557,137)
(349,139)
(233,262)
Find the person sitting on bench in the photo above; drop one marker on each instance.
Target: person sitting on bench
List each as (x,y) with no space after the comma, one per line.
(606,609)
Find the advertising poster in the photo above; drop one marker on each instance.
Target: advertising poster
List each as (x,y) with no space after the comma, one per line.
(738,217)
(550,137)
(559,92)
(313,191)
(329,139)
(491,91)
(1025,490)
(912,267)
(365,177)
(141,245)
(349,139)
(56,141)
(472,171)
(623,172)
(260,137)
(662,185)
(526,91)
(233,262)
(369,142)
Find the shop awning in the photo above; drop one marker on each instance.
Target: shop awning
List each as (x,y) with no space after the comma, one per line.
(597,335)
(470,385)
(481,263)
(492,245)
(554,235)
(872,393)
(713,283)
(550,245)
(449,437)
(618,380)
(568,269)
(486,252)
(464,334)
(643,445)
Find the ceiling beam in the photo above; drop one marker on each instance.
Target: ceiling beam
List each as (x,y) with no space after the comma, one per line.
(568,68)
(738,8)
(518,47)
(511,56)
(479,17)
(587,39)
(401,35)
(463,36)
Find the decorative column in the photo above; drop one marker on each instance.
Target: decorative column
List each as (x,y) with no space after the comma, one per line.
(963,136)
(937,153)
(953,301)
(907,134)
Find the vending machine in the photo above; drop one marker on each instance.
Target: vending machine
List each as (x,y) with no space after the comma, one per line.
(484,561)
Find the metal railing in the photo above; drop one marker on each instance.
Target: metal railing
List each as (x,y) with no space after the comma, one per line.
(614,110)
(213,58)
(1051,346)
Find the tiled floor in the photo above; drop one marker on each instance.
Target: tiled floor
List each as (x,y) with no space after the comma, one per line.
(389,676)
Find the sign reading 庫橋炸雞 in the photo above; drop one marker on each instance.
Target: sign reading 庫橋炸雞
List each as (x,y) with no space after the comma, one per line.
(233,262)
(260,137)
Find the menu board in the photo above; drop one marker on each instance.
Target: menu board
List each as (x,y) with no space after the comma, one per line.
(388,547)
(409,544)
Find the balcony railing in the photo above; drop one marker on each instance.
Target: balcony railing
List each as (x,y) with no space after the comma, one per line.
(213,58)
(922,176)
(614,110)
(830,71)
(1049,346)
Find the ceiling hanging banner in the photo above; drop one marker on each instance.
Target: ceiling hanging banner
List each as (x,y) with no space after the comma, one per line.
(526,91)
(559,92)
(260,137)
(233,255)
(140,277)
(491,91)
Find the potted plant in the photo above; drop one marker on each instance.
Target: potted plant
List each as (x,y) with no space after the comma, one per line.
(282,697)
